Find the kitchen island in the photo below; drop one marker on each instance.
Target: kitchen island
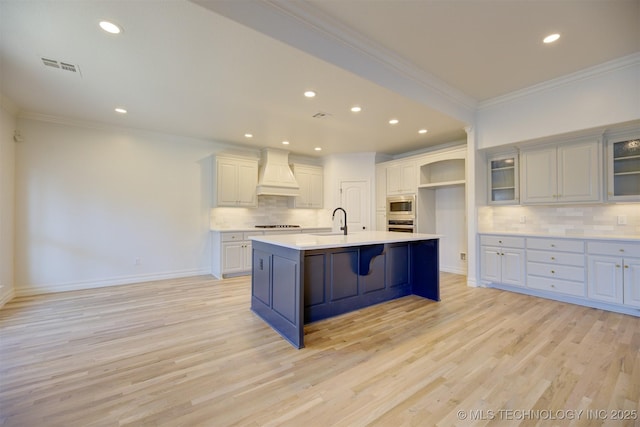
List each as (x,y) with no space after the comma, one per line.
(302,278)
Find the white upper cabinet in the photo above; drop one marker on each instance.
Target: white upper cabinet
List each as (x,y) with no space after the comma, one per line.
(503,179)
(623,167)
(566,173)
(402,178)
(235,182)
(310,179)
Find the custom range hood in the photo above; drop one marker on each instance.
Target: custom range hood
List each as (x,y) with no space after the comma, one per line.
(275,177)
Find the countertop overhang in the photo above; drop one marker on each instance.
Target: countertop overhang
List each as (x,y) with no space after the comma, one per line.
(304,242)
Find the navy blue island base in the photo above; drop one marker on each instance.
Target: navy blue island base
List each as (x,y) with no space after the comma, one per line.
(294,284)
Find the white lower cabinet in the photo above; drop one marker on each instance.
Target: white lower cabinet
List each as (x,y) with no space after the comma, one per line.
(594,272)
(232,253)
(502,259)
(556,265)
(614,275)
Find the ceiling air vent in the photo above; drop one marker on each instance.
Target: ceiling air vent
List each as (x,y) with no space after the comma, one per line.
(50,63)
(65,66)
(321,115)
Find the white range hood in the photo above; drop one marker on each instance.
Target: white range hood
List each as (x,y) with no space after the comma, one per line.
(275,177)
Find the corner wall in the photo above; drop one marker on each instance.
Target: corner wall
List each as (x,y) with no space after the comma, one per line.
(7,201)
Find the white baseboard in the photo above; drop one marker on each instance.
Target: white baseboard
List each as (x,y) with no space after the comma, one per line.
(568,299)
(26,290)
(6,298)
(453,269)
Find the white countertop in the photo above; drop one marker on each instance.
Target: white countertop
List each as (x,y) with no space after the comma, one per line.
(302,228)
(631,237)
(316,241)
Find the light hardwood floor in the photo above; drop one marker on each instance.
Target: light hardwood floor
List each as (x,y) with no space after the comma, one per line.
(189,352)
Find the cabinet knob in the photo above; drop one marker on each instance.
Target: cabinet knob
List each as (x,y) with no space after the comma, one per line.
(553,258)
(497,253)
(621,250)
(553,272)
(502,254)
(626,266)
(617,265)
(553,246)
(553,286)
(499,241)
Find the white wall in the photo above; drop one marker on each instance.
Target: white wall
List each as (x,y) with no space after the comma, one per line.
(349,167)
(7,169)
(451,223)
(604,95)
(92,201)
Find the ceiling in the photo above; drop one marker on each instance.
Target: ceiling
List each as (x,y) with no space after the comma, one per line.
(217,69)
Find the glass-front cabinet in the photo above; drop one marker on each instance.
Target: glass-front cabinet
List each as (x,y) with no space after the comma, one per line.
(503,179)
(624,168)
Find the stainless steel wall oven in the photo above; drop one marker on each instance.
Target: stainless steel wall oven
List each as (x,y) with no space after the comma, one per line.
(401,213)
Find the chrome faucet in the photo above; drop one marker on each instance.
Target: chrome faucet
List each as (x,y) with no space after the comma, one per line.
(333,216)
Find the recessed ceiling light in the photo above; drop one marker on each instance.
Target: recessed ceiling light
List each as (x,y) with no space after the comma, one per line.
(309,94)
(393,121)
(551,38)
(356,109)
(422,131)
(285,142)
(248,135)
(110,27)
(318,149)
(121,110)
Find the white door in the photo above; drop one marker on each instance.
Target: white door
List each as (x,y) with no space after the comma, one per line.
(355,199)
(605,279)
(578,172)
(512,266)
(632,282)
(490,264)
(539,175)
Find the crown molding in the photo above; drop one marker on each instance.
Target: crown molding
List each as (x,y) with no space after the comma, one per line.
(316,20)
(588,73)
(305,27)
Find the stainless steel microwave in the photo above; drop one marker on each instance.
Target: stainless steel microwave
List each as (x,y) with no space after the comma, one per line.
(400,207)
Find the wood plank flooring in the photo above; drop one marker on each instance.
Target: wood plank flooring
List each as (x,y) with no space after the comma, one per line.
(189,352)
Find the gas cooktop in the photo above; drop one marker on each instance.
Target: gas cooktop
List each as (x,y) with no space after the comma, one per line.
(277,226)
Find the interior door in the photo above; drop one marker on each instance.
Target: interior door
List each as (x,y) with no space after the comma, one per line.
(355,198)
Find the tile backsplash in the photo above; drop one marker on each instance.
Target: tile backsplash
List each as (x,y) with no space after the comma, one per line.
(579,220)
(270,210)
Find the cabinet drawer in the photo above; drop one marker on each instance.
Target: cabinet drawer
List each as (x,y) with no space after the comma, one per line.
(614,248)
(556,258)
(502,241)
(556,285)
(232,237)
(555,244)
(565,272)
